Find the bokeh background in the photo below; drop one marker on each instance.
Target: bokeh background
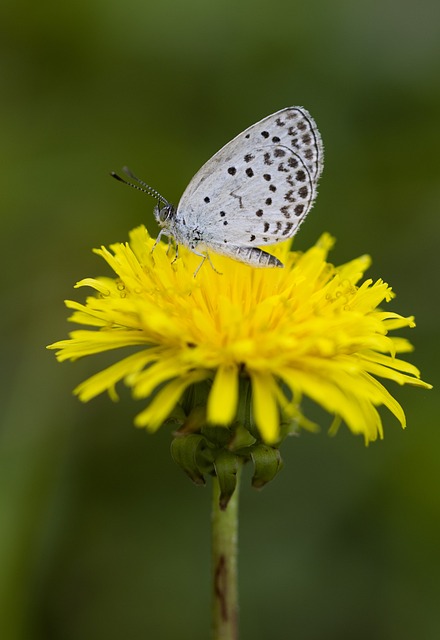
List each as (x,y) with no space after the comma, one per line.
(101,535)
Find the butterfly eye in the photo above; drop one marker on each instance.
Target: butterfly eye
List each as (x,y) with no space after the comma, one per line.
(164,214)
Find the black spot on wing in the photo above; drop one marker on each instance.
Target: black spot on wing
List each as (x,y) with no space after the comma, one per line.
(292,162)
(267,158)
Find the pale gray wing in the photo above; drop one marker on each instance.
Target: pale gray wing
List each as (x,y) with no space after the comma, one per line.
(260,186)
(292,127)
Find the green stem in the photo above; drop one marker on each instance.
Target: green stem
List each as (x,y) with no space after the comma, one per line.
(224,564)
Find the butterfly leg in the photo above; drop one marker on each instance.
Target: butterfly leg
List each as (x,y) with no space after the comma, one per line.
(205,256)
(177,251)
(200,264)
(170,242)
(160,234)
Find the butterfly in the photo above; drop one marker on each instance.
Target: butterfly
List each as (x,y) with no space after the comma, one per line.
(253,193)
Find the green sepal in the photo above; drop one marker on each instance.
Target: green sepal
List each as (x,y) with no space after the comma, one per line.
(196,395)
(242,440)
(177,416)
(267,463)
(226,467)
(194,421)
(218,436)
(192,454)
(244,409)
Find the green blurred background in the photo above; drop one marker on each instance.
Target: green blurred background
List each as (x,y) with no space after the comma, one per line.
(101,535)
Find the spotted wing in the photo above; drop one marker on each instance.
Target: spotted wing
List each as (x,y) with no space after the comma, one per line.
(260,186)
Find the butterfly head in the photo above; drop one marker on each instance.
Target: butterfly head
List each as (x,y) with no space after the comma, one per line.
(164,214)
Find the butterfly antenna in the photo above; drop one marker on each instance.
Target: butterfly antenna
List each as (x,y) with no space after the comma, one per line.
(145,188)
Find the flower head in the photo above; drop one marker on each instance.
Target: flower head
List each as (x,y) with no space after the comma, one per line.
(306,330)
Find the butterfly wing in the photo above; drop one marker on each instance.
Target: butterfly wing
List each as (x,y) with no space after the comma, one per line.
(260,186)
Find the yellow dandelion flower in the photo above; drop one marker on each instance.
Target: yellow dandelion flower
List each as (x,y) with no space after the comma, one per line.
(308,329)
